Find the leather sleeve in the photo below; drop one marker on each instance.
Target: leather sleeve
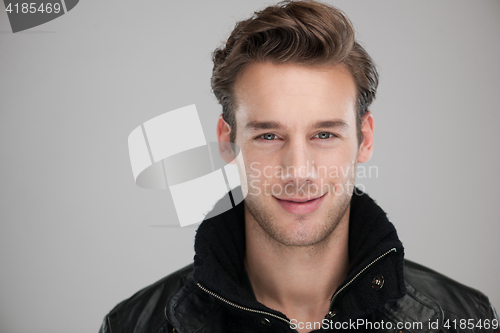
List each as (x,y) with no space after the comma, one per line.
(484,313)
(494,316)
(105,326)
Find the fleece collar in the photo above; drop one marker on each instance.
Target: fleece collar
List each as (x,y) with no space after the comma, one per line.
(220,250)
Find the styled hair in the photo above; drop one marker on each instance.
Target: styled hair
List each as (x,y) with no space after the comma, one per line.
(302,32)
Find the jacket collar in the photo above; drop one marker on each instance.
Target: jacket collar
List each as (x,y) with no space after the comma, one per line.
(220,249)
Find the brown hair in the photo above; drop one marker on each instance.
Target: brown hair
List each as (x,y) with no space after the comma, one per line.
(302,32)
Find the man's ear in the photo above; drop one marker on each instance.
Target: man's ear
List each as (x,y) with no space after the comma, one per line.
(366,147)
(224,138)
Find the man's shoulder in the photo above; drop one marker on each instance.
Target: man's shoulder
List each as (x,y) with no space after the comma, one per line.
(440,297)
(147,306)
(442,288)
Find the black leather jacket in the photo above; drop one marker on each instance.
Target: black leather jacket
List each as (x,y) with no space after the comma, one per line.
(383,292)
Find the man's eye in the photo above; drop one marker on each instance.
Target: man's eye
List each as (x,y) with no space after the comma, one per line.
(268,136)
(324,135)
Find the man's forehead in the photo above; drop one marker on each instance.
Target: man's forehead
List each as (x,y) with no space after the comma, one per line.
(266,75)
(267,86)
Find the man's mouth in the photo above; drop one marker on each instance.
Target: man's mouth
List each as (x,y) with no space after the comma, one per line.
(300,205)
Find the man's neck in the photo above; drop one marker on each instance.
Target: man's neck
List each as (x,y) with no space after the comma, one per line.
(296,280)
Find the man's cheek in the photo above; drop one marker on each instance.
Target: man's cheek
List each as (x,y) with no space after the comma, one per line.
(255,189)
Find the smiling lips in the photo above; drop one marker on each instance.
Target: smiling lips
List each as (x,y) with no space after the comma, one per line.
(300,206)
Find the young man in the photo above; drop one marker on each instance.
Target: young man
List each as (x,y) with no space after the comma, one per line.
(305,250)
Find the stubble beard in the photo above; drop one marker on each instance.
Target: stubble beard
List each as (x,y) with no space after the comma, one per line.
(304,235)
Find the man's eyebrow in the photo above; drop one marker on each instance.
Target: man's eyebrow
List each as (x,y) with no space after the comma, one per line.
(264,125)
(331,124)
(260,125)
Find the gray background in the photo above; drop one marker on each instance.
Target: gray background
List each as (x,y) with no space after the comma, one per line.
(78,236)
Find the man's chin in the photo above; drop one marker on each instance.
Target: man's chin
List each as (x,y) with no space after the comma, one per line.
(302,238)
(297,230)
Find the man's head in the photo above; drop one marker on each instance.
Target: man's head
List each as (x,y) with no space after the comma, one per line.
(298,32)
(293,89)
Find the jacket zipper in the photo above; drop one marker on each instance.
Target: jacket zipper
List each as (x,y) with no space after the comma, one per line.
(286,320)
(244,308)
(334,297)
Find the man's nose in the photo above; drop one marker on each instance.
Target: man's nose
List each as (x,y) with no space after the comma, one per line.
(298,163)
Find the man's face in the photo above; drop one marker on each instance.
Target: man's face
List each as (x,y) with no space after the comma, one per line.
(296,127)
